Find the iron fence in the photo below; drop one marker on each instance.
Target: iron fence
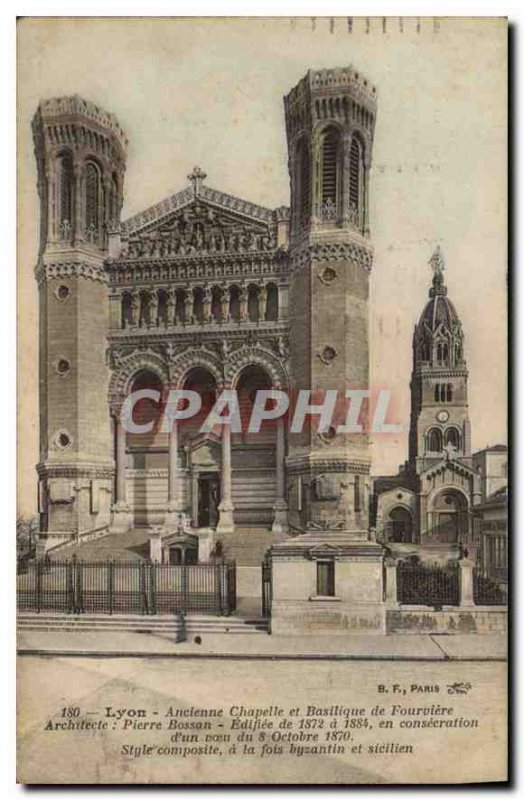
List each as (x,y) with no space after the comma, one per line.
(112,587)
(428,584)
(487,591)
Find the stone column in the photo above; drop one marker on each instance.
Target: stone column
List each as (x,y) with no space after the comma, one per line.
(194,499)
(155,545)
(225,519)
(174,508)
(207,304)
(243,303)
(171,307)
(188,306)
(135,308)
(466,582)
(153,307)
(78,203)
(280,523)
(262,303)
(224,303)
(52,203)
(121,521)
(391,582)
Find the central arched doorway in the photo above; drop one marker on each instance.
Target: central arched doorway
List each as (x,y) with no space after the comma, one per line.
(449,517)
(204,449)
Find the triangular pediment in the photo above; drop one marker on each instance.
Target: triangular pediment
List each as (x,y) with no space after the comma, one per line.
(447,464)
(207,221)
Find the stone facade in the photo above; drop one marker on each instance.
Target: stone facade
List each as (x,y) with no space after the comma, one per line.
(206,291)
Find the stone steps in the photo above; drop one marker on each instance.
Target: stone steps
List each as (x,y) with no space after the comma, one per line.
(167,624)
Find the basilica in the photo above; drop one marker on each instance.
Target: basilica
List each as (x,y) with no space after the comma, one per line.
(207,291)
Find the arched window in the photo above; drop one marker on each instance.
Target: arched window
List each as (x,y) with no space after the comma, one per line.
(355,179)
(449,393)
(252,303)
(65,196)
(93,194)
(437,393)
(302,181)
(330,173)
(127,311)
(445,352)
(452,437)
(234,303)
(434,439)
(272,303)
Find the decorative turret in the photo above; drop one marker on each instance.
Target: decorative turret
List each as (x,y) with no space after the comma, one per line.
(330,122)
(80,151)
(439,410)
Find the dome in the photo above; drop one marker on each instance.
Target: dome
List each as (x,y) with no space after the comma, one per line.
(439,310)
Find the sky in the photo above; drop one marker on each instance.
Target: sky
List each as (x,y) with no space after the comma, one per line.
(209,92)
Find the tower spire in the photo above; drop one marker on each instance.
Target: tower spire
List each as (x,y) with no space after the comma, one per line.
(438,265)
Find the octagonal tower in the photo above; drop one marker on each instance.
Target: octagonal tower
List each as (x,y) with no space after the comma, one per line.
(80,152)
(330,121)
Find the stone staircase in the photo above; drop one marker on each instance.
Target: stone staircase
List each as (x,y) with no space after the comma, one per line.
(162,624)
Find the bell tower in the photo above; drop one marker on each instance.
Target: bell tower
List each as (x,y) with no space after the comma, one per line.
(330,122)
(439,381)
(80,153)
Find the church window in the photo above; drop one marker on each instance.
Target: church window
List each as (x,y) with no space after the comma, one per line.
(93,196)
(437,393)
(63,366)
(62,292)
(330,173)
(325,578)
(434,440)
(303,181)
(65,199)
(452,437)
(449,393)
(355,179)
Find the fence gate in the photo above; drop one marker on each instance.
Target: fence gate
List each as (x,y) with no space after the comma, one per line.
(428,584)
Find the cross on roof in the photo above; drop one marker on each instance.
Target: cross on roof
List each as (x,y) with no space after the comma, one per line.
(196,177)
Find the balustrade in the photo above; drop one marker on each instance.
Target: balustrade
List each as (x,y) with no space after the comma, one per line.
(205,304)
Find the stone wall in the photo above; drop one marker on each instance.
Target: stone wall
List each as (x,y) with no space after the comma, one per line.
(449,620)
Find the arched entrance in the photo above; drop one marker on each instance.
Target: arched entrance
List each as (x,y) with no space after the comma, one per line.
(147,453)
(204,450)
(400,525)
(253,454)
(449,517)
